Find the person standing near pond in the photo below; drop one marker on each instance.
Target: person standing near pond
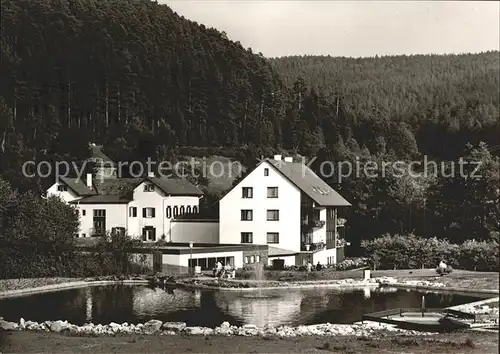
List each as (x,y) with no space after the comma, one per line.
(218,269)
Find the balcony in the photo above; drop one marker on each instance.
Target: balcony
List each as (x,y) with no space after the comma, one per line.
(341,222)
(314,224)
(313,247)
(340,242)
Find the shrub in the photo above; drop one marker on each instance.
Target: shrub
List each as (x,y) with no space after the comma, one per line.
(410,251)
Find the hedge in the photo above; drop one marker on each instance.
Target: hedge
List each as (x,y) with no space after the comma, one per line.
(411,252)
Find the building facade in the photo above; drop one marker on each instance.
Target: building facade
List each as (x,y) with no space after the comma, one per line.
(285,205)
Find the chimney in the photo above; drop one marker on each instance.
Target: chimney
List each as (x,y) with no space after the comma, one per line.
(151,174)
(288,159)
(89,180)
(277,157)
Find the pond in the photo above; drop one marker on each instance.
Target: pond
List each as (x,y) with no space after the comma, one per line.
(138,304)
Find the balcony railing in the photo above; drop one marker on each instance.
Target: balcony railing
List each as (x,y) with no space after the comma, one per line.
(313,247)
(341,222)
(315,224)
(340,242)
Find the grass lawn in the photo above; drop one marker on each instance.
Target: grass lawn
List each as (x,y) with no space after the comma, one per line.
(16,284)
(458,278)
(31,342)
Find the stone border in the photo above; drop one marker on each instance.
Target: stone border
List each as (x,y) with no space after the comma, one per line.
(358,285)
(445,288)
(66,286)
(156,327)
(475,303)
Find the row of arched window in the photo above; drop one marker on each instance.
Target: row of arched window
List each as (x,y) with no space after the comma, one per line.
(176,211)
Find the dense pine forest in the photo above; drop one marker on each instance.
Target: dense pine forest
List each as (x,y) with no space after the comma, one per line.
(137,78)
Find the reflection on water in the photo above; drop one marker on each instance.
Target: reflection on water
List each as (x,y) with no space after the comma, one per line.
(134,304)
(148,302)
(273,308)
(88,305)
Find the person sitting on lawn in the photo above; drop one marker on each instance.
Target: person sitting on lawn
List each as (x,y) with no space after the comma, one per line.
(218,271)
(442,266)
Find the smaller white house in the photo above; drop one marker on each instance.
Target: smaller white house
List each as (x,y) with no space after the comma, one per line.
(146,208)
(285,205)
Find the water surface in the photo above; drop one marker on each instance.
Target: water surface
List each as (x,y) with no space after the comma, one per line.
(137,304)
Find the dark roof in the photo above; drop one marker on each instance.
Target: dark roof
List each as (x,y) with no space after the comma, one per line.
(119,186)
(176,186)
(78,186)
(102,199)
(309,182)
(120,190)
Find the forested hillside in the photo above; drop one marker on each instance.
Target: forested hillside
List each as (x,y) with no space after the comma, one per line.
(445,101)
(131,75)
(142,81)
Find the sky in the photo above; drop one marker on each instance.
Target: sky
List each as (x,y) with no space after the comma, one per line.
(350,28)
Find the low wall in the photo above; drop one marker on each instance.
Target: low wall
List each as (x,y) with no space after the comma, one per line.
(174,269)
(198,231)
(326,256)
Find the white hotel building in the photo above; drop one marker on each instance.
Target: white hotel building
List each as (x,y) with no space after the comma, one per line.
(281,213)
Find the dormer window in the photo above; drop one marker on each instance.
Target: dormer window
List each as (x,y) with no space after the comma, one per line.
(62,188)
(149,188)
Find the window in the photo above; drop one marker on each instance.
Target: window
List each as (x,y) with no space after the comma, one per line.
(266,172)
(118,231)
(273,237)
(252,259)
(83,235)
(209,263)
(247,192)
(62,188)
(257,258)
(176,211)
(182,209)
(272,192)
(148,213)
(169,212)
(99,222)
(246,237)
(247,215)
(83,212)
(273,215)
(149,233)
(188,209)
(100,212)
(149,188)
(195,210)
(132,212)
(247,260)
